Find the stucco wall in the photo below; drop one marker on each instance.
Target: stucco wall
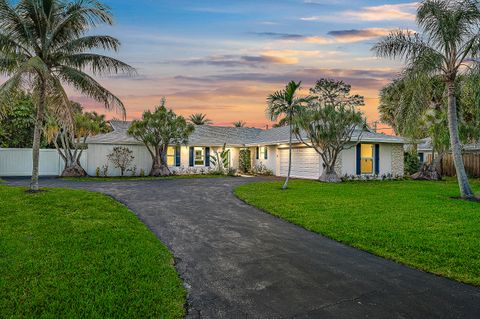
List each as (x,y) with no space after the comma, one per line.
(270,162)
(98,158)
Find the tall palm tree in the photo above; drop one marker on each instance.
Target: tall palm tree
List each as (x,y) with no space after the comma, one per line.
(47,43)
(448,46)
(199,119)
(286,103)
(239,124)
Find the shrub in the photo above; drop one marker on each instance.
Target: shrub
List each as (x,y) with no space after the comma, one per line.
(245,162)
(261,169)
(121,157)
(231,171)
(142,173)
(104,170)
(97,172)
(412,163)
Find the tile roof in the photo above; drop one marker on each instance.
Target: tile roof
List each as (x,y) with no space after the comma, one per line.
(206,135)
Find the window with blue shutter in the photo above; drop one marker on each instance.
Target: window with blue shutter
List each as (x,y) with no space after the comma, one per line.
(207,156)
(377,159)
(359,159)
(177,156)
(190,156)
(266,153)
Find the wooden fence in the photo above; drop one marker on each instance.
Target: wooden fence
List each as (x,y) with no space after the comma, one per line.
(471,160)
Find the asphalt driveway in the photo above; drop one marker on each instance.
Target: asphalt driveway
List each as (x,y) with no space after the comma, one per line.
(238,262)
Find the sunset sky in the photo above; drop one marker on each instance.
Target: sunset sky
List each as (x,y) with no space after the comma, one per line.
(224,57)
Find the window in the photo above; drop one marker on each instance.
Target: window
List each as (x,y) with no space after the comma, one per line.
(263,152)
(171,156)
(199,156)
(366,158)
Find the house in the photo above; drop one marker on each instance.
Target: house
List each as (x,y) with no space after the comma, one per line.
(424,149)
(374,154)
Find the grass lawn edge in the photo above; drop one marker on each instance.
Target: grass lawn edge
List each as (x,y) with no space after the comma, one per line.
(360,246)
(133,227)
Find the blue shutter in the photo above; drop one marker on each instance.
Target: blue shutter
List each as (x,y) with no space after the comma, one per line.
(421,157)
(207,156)
(177,156)
(359,159)
(266,152)
(258,153)
(377,159)
(190,157)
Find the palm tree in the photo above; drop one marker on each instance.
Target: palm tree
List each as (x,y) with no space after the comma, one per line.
(239,124)
(448,47)
(286,103)
(199,119)
(47,43)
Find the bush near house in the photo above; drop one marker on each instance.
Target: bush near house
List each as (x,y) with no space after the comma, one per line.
(70,253)
(411,222)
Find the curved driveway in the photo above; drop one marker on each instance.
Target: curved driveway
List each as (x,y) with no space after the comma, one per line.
(238,262)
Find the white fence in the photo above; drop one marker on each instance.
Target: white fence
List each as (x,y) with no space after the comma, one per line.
(18,162)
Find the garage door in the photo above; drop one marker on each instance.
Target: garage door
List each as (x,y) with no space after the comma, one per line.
(305,163)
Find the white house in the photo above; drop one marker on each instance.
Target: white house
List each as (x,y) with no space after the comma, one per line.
(373,154)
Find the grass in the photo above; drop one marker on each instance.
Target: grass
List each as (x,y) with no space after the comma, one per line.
(139,178)
(71,253)
(414,223)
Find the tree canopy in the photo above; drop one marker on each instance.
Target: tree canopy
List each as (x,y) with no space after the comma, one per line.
(158,130)
(49,43)
(446,46)
(329,121)
(199,119)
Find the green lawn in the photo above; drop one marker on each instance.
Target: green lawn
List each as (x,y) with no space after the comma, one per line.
(71,253)
(415,223)
(139,178)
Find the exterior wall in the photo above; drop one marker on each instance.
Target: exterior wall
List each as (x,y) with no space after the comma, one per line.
(18,162)
(143,160)
(270,162)
(349,161)
(97,157)
(391,161)
(397,160)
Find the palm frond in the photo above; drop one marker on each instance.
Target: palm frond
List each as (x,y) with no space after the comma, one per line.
(98,64)
(85,84)
(90,42)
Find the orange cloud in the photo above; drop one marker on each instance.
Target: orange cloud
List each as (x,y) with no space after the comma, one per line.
(403,11)
(386,12)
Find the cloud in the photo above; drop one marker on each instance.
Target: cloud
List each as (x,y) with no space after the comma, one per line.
(276,35)
(358,78)
(403,11)
(355,35)
(386,12)
(241,60)
(336,36)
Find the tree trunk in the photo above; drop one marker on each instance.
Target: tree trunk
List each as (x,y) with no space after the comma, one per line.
(329,175)
(37,136)
(465,189)
(73,170)
(285,185)
(159,167)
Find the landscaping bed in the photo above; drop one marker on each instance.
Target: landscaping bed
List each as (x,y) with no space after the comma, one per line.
(70,253)
(412,222)
(141,178)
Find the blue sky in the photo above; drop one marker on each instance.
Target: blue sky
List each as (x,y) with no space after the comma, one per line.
(223,58)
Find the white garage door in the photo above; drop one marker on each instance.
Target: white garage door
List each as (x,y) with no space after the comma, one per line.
(305,163)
